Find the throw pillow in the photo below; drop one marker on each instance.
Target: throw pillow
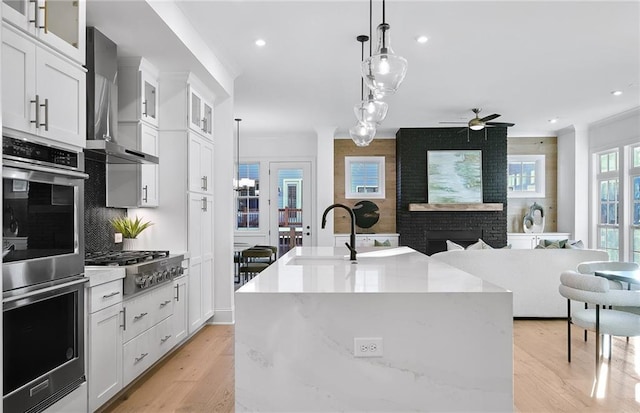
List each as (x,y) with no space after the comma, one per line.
(573,244)
(451,246)
(547,244)
(385,243)
(480,245)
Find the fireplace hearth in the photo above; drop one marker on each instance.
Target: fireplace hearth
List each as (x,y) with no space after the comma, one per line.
(436,240)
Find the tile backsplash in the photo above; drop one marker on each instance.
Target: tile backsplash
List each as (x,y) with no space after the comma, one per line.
(98,232)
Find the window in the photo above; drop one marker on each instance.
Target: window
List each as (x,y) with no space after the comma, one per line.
(248,201)
(609,203)
(635,203)
(364,177)
(526,176)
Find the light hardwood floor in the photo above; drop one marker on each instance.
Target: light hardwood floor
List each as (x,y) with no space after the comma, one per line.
(199,376)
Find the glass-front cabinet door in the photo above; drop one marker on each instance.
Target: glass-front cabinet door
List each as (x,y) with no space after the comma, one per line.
(58,23)
(149,91)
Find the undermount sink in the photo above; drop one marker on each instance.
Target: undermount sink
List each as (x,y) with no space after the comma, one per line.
(318,260)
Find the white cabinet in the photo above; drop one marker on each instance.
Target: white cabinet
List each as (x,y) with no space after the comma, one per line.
(42,92)
(137,91)
(104,347)
(529,240)
(368,240)
(180,307)
(133,186)
(200,240)
(200,112)
(148,333)
(200,164)
(58,23)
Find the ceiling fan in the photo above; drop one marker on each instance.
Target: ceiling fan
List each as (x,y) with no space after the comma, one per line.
(479,123)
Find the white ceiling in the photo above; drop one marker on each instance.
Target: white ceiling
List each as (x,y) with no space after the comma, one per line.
(529,61)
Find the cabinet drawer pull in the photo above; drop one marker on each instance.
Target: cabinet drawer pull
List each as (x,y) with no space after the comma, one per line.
(144,103)
(138,317)
(145,191)
(204,183)
(124,319)
(111,295)
(164,303)
(165,338)
(143,355)
(204,203)
(46,115)
(37,103)
(177,297)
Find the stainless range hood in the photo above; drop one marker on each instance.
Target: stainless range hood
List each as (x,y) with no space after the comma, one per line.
(102,105)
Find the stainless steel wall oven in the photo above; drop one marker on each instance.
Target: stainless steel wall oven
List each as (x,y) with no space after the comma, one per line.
(42,273)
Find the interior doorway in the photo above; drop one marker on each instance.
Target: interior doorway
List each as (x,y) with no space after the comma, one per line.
(290,206)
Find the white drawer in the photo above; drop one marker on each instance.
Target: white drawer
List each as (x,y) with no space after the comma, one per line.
(147,309)
(104,295)
(165,338)
(138,355)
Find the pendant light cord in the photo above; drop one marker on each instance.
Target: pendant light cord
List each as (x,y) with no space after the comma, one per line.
(384,20)
(370,26)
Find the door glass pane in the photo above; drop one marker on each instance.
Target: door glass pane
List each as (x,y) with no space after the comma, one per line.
(290,211)
(150,100)
(195,109)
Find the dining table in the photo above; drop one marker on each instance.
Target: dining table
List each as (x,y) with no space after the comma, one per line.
(626,276)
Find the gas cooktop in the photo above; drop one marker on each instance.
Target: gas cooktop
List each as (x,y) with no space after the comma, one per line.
(122,258)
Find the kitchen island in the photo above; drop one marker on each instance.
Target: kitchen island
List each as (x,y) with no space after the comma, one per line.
(441,338)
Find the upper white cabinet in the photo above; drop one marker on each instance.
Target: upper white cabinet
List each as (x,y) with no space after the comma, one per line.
(58,23)
(200,164)
(200,112)
(131,186)
(137,91)
(42,92)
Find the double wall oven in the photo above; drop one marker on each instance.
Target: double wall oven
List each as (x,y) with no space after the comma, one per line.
(42,273)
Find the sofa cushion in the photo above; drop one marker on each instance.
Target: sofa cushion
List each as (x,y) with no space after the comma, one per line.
(385,243)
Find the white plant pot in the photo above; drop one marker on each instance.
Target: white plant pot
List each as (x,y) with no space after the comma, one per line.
(129,244)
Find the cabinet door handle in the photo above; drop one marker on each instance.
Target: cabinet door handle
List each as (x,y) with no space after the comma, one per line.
(143,355)
(138,317)
(177,297)
(124,319)
(46,115)
(206,182)
(46,15)
(204,203)
(144,103)
(111,295)
(165,338)
(35,12)
(146,192)
(164,303)
(204,125)
(203,181)
(37,103)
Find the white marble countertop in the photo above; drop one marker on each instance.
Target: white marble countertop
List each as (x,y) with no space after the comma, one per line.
(377,270)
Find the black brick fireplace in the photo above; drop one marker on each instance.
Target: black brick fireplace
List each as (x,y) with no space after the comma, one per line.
(415,227)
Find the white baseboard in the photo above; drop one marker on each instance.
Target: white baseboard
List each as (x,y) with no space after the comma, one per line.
(222,316)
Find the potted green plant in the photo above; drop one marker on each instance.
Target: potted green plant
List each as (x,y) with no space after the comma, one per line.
(130,228)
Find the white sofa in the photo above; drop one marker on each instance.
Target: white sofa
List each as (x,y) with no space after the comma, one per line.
(532,275)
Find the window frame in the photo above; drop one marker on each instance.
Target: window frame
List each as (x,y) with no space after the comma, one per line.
(540,161)
(248,197)
(348,179)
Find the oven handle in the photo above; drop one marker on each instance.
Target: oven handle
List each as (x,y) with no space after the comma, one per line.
(41,168)
(53,288)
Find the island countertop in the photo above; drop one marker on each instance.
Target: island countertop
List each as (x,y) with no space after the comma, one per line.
(377,270)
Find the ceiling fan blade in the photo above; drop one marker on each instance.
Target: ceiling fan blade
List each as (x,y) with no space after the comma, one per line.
(463,129)
(490,117)
(507,124)
(460,123)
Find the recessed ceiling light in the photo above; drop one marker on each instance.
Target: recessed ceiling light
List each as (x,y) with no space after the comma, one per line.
(260,42)
(422,39)
(554,120)
(616,92)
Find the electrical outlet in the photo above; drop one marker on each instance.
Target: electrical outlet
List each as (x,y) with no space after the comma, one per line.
(118,237)
(367,347)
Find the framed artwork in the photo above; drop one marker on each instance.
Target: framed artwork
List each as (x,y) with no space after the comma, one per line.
(454,177)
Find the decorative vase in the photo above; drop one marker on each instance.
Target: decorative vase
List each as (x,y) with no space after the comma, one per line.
(129,244)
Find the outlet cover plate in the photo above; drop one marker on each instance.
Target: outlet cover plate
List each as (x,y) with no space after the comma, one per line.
(367,347)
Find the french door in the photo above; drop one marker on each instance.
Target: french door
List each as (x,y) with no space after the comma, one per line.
(290,206)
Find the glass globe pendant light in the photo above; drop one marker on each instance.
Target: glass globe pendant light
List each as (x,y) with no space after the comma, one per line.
(369,110)
(384,71)
(363,131)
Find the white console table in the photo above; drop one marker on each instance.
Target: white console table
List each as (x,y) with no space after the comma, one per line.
(529,241)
